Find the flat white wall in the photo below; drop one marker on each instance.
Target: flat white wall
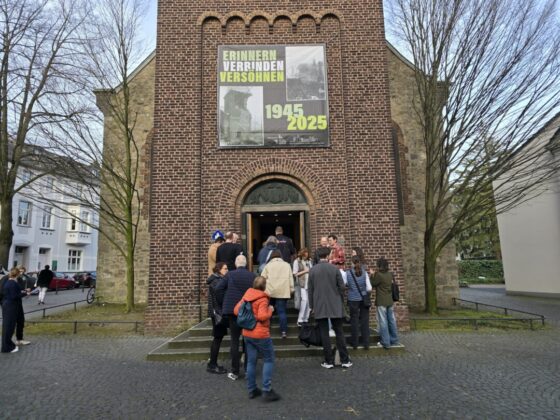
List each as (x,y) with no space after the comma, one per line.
(530,242)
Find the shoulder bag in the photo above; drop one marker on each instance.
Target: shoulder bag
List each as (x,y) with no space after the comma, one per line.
(365,298)
(395,290)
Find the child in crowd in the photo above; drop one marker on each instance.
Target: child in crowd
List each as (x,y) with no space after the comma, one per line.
(258,341)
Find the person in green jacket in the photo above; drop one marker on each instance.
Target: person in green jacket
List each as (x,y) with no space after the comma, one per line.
(381,280)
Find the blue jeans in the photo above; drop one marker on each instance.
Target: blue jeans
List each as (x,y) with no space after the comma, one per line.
(387,326)
(280,308)
(264,347)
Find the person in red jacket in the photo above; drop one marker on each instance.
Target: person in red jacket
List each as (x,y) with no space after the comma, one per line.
(258,341)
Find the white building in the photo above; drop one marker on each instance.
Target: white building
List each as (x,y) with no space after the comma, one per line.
(530,233)
(47,233)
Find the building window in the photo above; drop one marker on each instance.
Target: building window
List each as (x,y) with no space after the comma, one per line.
(24,213)
(46,222)
(74,260)
(49,183)
(84,224)
(25,176)
(73,222)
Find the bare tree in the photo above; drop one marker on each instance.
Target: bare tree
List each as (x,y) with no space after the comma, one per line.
(487,76)
(39,71)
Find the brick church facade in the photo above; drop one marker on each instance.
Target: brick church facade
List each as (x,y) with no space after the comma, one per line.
(366,186)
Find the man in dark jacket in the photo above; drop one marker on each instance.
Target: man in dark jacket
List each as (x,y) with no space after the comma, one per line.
(324,244)
(228,251)
(235,284)
(326,295)
(285,245)
(43,282)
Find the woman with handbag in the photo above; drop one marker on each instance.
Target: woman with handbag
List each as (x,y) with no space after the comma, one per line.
(302,265)
(219,322)
(382,280)
(359,301)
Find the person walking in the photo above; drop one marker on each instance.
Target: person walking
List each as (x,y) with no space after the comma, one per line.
(234,285)
(11,300)
(279,286)
(43,282)
(258,340)
(302,265)
(359,287)
(215,312)
(386,322)
(265,253)
(326,297)
(285,245)
(218,238)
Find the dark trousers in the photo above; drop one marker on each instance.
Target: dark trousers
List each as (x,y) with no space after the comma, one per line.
(9,317)
(218,332)
(340,340)
(235,333)
(20,321)
(359,320)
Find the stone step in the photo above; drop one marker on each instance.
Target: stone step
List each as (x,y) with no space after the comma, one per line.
(164,353)
(204,342)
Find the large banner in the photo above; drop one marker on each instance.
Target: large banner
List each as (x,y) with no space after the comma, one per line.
(272,96)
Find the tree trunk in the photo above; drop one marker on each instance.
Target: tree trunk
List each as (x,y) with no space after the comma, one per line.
(430,262)
(130,255)
(6,231)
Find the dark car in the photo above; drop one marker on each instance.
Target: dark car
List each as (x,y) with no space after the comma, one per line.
(59,281)
(27,281)
(86,279)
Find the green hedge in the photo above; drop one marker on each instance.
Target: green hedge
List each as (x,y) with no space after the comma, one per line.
(472,269)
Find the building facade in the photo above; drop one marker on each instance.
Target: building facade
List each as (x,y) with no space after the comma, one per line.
(50,227)
(209,166)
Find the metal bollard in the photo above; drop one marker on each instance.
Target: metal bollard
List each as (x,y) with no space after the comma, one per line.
(75,327)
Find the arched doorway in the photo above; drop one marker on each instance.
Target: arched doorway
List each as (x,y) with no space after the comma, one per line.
(269,204)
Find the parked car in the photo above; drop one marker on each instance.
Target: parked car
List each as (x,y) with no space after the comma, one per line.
(28,282)
(59,281)
(86,279)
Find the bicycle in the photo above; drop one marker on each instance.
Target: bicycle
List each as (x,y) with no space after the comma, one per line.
(90,295)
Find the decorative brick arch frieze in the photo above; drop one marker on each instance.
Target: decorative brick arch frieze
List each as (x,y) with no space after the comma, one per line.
(249,18)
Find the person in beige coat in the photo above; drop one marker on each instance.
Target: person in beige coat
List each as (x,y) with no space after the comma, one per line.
(279,286)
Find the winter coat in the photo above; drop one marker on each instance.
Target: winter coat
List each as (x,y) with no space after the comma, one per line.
(227,253)
(264,255)
(235,284)
(215,297)
(212,252)
(44,278)
(326,291)
(355,295)
(279,279)
(260,304)
(382,283)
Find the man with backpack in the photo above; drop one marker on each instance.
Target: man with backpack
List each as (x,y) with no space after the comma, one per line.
(253,314)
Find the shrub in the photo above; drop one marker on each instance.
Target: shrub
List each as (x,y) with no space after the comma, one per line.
(472,269)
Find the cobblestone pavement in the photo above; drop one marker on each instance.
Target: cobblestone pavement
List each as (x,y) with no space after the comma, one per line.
(506,375)
(496,295)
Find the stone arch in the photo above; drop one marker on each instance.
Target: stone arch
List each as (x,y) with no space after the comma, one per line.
(309,13)
(207,17)
(234,16)
(260,14)
(284,14)
(331,13)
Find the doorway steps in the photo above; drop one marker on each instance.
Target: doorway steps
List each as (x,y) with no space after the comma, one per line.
(194,344)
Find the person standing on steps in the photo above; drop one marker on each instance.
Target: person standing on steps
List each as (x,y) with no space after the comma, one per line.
(326,296)
(265,253)
(358,284)
(229,250)
(324,244)
(218,238)
(302,265)
(43,282)
(285,245)
(234,285)
(215,312)
(279,286)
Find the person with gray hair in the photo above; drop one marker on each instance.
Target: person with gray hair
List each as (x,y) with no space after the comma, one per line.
(265,253)
(234,285)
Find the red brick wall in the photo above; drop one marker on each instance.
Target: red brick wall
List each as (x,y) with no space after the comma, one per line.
(197,188)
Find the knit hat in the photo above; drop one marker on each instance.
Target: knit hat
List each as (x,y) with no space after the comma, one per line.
(217,235)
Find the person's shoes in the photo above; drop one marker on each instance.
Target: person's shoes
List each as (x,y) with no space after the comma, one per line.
(216,369)
(255,393)
(233,376)
(284,335)
(398,345)
(347,364)
(300,324)
(15,350)
(379,345)
(327,365)
(23,342)
(332,333)
(271,396)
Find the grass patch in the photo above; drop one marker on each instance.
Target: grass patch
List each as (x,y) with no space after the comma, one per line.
(94,314)
(467,323)
(486,280)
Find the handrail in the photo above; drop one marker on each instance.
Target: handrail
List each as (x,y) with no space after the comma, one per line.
(541,317)
(56,306)
(75,323)
(475,321)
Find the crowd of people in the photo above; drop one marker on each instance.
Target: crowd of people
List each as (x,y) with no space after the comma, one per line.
(322,287)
